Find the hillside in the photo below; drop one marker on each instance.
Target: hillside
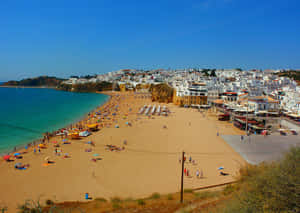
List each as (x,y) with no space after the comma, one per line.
(293,74)
(87,87)
(46,81)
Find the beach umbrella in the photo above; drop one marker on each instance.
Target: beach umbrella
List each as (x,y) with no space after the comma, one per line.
(6,157)
(64,140)
(17,154)
(95,155)
(220,168)
(126,123)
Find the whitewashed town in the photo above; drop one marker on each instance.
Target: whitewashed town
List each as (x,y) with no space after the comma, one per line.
(253,98)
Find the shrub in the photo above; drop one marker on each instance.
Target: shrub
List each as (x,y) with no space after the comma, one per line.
(141,202)
(100,199)
(170,197)
(155,195)
(115,200)
(116,205)
(49,202)
(30,206)
(3,209)
(205,194)
(188,190)
(128,199)
(228,189)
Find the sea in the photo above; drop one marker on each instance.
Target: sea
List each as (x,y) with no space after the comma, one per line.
(27,113)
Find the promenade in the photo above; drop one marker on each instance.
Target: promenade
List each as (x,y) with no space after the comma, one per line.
(258,148)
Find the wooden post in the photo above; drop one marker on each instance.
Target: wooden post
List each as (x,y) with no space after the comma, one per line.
(182,175)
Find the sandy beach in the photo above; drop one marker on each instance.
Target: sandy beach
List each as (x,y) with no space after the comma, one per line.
(149,163)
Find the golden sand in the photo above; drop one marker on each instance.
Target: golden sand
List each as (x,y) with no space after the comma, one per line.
(149,163)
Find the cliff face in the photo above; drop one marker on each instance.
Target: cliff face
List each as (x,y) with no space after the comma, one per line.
(161,93)
(87,87)
(39,81)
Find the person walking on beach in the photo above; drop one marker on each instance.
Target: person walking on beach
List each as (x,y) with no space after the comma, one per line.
(197,173)
(39,150)
(34,150)
(190,159)
(185,171)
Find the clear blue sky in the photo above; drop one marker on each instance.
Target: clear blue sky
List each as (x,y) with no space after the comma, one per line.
(63,38)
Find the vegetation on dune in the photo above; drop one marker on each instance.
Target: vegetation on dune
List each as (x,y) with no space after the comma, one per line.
(141,202)
(35,82)
(269,187)
(188,190)
(155,196)
(161,93)
(87,87)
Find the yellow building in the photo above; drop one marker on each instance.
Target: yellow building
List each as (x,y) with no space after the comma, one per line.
(189,100)
(122,87)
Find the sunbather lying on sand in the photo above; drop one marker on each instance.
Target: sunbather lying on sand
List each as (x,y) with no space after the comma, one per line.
(21,166)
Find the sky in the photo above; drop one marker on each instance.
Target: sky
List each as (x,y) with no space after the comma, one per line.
(63,38)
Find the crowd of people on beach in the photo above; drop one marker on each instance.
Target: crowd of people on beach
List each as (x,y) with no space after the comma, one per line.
(113,112)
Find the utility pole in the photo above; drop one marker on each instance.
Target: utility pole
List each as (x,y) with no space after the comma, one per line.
(182,171)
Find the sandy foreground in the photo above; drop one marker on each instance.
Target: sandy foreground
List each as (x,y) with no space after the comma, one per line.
(149,163)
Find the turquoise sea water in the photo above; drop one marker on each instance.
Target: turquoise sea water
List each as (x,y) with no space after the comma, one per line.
(25,114)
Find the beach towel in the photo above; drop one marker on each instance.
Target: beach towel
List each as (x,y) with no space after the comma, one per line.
(22,168)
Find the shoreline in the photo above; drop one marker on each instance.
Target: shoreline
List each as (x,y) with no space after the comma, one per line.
(30,87)
(35,142)
(147,164)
